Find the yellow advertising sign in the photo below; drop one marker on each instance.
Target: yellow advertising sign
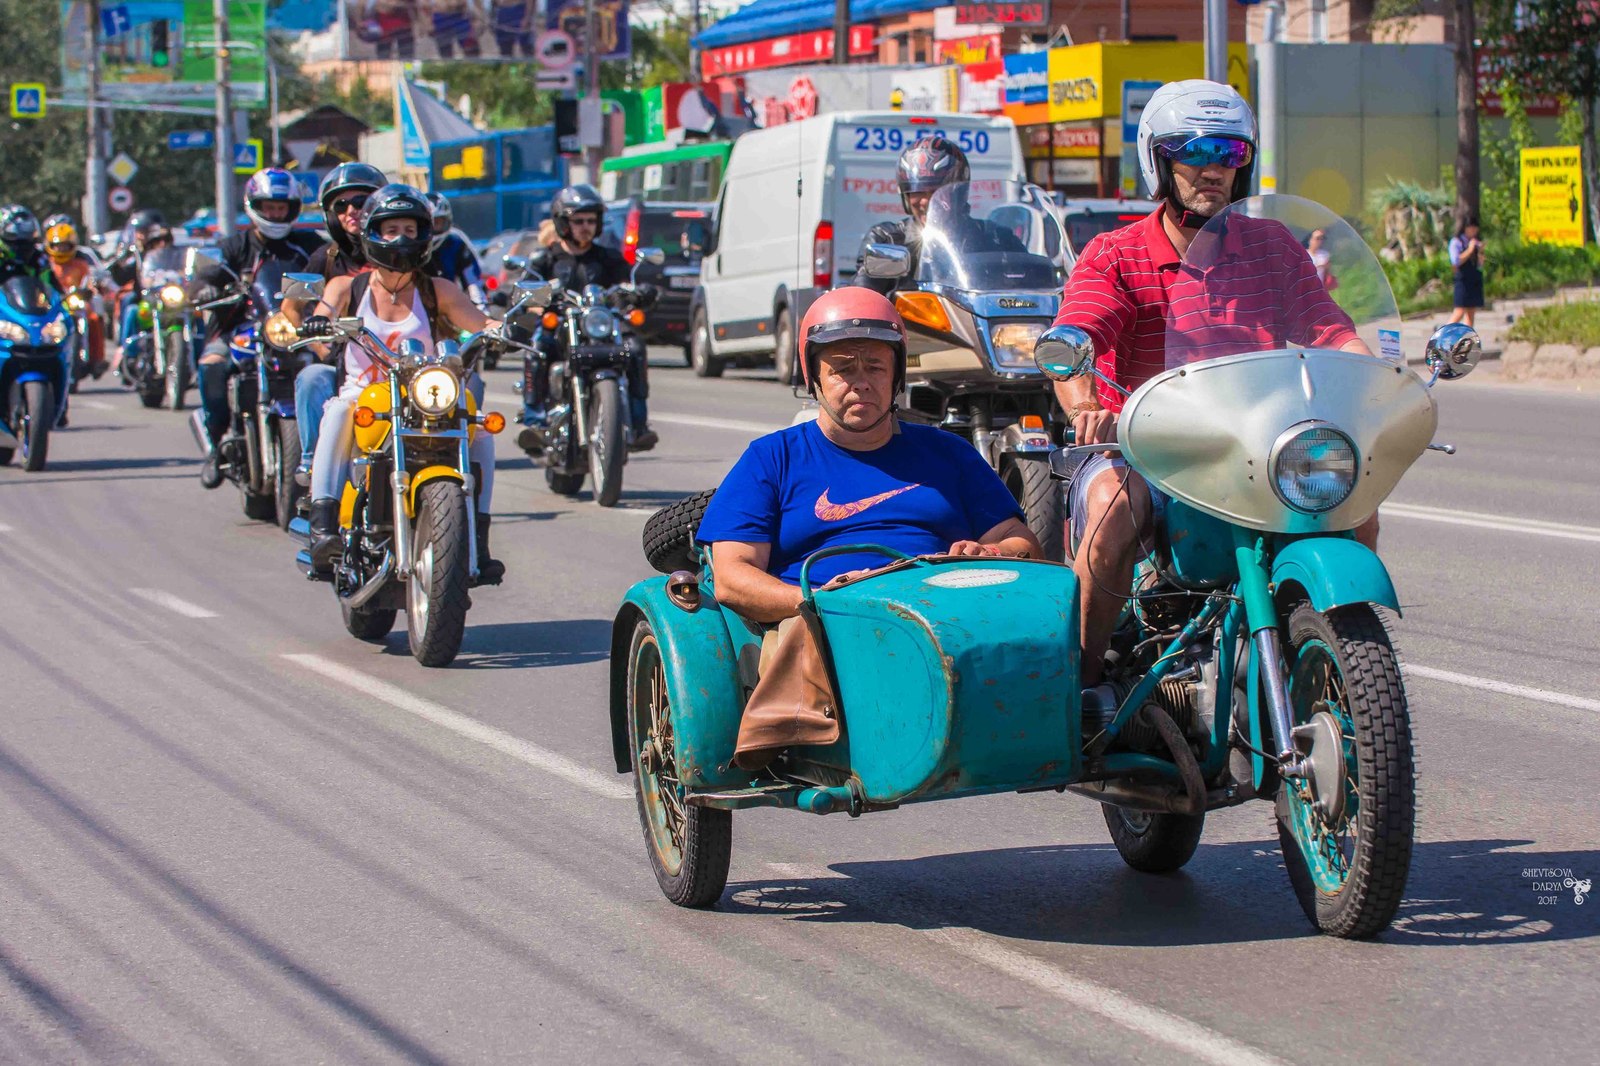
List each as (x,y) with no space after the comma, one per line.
(1552,196)
(1085,81)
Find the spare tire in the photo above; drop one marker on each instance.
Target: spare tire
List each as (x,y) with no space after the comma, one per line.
(669,533)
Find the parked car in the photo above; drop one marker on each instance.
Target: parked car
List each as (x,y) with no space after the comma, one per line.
(681,230)
(1085,219)
(773,252)
(517,242)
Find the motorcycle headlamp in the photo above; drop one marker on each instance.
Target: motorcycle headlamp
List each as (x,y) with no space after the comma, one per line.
(10,331)
(280,331)
(1012,343)
(172,295)
(55,331)
(75,302)
(1314,467)
(599,323)
(435,391)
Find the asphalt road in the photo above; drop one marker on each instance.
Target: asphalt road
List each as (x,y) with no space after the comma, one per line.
(231,833)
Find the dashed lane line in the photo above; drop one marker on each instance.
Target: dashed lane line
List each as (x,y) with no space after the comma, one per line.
(607,786)
(1479,520)
(1504,688)
(172,603)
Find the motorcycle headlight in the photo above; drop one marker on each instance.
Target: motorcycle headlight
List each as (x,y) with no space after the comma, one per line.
(281,332)
(1013,343)
(172,295)
(435,391)
(10,331)
(75,303)
(55,331)
(599,323)
(1314,468)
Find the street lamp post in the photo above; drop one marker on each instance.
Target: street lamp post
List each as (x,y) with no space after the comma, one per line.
(95,218)
(224,160)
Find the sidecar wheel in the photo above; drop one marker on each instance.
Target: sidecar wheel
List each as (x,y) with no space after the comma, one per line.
(1348,859)
(1153,843)
(690,847)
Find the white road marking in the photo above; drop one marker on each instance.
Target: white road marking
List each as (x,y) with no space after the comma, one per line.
(96,405)
(5,528)
(173,603)
(1479,520)
(1505,688)
(1194,1040)
(606,785)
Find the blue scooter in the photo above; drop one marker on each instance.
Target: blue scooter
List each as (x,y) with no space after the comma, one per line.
(35,369)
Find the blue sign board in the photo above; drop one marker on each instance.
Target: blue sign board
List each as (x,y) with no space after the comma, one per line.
(115,21)
(413,147)
(1135,94)
(247,155)
(179,140)
(1028,78)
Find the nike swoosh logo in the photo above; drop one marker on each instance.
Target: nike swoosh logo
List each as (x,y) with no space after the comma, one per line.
(829,511)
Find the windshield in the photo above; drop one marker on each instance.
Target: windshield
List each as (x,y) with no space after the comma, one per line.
(269,283)
(26,294)
(1276,272)
(161,266)
(990,236)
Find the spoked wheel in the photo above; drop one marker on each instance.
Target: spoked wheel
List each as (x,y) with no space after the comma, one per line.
(690,847)
(1043,501)
(176,381)
(436,595)
(1346,825)
(1153,843)
(606,450)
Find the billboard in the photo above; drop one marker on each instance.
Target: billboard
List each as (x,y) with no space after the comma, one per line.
(1552,196)
(484,30)
(162,52)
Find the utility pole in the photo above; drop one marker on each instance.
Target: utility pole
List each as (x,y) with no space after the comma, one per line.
(694,31)
(591,87)
(1216,33)
(1127,20)
(1268,96)
(841,31)
(224,159)
(94,207)
(272,106)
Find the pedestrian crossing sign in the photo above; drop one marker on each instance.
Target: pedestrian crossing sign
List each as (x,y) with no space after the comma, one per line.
(27,100)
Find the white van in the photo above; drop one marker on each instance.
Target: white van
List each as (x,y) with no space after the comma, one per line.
(796,201)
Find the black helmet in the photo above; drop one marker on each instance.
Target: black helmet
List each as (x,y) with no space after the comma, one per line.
(403,254)
(573,200)
(931,163)
(18,226)
(346,177)
(145,219)
(60,218)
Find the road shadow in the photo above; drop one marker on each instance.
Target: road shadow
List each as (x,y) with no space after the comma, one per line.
(523,645)
(108,464)
(1459,892)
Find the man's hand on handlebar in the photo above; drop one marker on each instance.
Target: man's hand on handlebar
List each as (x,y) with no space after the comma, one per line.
(1094,426)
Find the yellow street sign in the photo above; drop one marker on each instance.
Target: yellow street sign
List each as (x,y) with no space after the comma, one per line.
(1552,196)
(27,100)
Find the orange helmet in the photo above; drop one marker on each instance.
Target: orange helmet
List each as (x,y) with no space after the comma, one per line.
(851,313)
(61,242)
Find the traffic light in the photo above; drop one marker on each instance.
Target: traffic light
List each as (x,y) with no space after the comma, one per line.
(160,54)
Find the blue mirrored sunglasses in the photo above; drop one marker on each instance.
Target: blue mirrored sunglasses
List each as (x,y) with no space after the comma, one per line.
(1210,152)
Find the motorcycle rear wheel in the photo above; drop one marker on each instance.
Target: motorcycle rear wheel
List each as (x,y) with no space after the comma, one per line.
(368,624)
(1349,872)
(563,484)
(690,847)
(606,448)
(436,596)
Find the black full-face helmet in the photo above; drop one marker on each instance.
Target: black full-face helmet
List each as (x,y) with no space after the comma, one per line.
(575,200)
(19,229)
(931,163)
(342,180)
(403,254)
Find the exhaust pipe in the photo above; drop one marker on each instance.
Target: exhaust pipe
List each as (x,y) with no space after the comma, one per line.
(374,584)
(1157,799)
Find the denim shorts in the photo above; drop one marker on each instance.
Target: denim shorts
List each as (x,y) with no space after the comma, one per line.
(1094,466)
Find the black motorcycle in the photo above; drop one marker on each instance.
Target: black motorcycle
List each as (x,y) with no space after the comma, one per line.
(588,429)
(158,364)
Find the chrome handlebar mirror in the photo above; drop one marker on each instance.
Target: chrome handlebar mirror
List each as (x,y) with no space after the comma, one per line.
(1453,351)
(886,261)
(1063,353)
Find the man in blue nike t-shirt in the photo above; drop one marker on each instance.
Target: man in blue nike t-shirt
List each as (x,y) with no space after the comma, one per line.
(854,476)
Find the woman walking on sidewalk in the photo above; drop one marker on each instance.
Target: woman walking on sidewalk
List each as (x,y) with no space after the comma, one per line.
(1466,259)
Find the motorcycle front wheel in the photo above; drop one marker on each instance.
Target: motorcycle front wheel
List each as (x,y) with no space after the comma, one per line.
(1346,826)
(33,411)
(1043,503)
(436,595)
(176,380)
(606,447)
(288,490)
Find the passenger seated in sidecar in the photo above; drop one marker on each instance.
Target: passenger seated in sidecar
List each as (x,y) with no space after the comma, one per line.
(855,475)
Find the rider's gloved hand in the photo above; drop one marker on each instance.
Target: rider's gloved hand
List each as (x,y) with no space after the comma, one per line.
(645,295)
(317,326)
(202,293)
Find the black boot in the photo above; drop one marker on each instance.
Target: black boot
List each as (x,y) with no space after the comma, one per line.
(490,570)
(211,469)
(325,541)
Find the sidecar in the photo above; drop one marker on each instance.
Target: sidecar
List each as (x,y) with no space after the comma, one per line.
(954,678)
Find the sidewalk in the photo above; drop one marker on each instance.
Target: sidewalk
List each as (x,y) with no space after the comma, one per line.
(1494,321)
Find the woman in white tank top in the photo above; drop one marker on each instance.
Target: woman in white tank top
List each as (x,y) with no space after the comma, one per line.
(395,228)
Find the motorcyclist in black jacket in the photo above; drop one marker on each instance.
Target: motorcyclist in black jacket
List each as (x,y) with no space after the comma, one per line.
(272,202)
(21,247)
(576,260)
(924,168)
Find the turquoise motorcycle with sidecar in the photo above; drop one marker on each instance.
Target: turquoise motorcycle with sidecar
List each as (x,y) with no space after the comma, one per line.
(1249,662)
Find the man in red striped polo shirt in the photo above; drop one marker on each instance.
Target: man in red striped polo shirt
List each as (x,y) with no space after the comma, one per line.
(1196,148)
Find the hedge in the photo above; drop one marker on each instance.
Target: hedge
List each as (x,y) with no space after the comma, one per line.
(1576,323)
(1513,269)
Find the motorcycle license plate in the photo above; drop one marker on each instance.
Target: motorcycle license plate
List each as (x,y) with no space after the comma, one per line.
(685,282)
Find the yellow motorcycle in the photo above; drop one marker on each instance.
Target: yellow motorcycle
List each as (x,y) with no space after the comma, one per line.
(406,525)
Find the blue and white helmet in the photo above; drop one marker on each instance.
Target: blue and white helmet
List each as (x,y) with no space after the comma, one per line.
(272,185)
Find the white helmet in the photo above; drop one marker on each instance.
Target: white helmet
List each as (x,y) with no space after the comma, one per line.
(1180,112)
(272,185)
